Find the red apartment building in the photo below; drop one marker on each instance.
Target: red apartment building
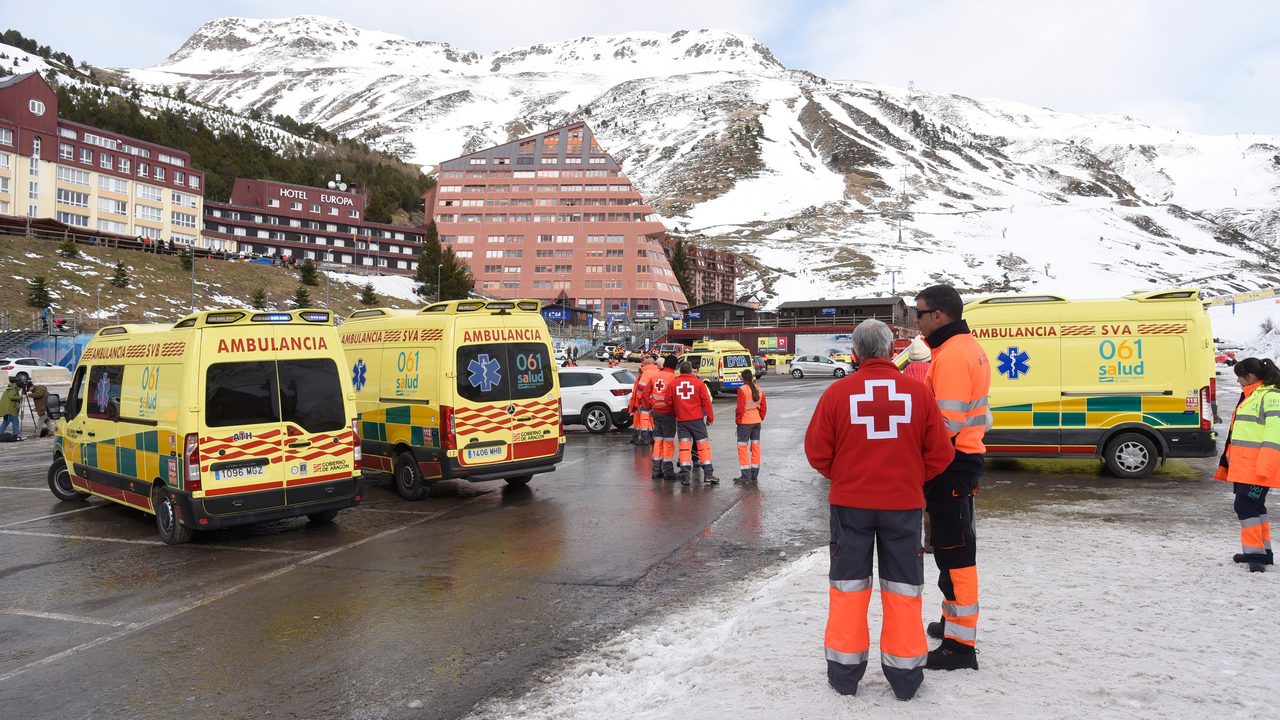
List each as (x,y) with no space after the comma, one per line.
(552,214)
(713,275)
(309,223)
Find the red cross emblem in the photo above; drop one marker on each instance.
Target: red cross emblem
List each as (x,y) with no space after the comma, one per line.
(685,391)
(881,412)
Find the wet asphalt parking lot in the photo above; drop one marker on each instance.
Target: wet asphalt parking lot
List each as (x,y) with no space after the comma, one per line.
(422,609)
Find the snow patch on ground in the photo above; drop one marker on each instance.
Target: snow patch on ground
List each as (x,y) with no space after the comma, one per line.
(396,286)
(1243,323)
(1079,619)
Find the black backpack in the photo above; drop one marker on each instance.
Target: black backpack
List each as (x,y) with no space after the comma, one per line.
(8,437)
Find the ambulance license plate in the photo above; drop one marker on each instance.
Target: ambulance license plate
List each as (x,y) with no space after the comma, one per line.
(240,472)
(486,453)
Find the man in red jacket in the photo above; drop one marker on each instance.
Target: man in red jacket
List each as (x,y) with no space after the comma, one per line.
(692,402)
(664,421)
(878,436)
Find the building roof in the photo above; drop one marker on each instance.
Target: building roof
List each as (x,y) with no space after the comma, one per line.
(800,304)
(721,303)
(14,80)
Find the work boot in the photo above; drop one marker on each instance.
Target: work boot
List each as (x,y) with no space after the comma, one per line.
(684,478)
(948,656)
(657,471)
(1240,558)
(1257,567)
(709,477)
(755,475)
(936,630)
(745,477)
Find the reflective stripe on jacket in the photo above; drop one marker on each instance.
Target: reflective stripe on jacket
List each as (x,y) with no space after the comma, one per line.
(658,392)
(750,412)
(960,377)
(1254,450)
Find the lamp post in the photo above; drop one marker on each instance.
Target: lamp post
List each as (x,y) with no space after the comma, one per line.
(98,312)
(439,267)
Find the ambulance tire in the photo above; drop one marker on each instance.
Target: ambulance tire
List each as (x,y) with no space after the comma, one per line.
(60,482)
(322,518)
(408,478)
(1131,455)
(172,532)
(518,480)
(596,418)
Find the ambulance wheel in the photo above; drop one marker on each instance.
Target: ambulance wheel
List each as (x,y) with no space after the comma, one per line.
(60,482)
(518,480)
(172,532)
(322,518)
(1131,455)
(408,478)
(596,418)
(797,373)
(839,372)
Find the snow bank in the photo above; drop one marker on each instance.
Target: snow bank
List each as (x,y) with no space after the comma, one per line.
(1243,323)
(1079,619)
(396,286)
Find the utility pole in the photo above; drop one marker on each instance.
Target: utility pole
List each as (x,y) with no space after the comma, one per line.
(192,250)
(893,280)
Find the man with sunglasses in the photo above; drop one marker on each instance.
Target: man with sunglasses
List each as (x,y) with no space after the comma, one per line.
(960,378)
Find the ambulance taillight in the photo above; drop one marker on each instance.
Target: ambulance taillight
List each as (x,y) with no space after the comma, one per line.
(191,456)
(355,439)
(1208,394)
(448,440)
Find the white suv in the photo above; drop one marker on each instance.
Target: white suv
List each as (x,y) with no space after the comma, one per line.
(596,397)
(36,370)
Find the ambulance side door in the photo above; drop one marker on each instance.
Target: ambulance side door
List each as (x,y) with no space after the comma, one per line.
(73,422)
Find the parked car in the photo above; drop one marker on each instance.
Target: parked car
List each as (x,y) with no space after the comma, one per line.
(596,397)
(759,365)
(604,352)
(818,365)
(38,371)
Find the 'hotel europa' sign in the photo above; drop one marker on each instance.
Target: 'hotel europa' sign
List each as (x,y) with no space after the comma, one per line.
(296,194)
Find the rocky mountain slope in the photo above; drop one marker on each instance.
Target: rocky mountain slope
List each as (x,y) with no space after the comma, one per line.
(829,187)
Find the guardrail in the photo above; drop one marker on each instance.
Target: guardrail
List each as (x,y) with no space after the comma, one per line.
(780,322)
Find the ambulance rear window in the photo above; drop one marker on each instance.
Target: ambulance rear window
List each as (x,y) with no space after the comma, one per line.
(241,393)
(737,361)
(311,394)
(496,373)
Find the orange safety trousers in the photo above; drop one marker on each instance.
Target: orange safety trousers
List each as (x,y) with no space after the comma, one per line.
(642,419)
(664,444)
(950,503)
(894,537)
(691,432)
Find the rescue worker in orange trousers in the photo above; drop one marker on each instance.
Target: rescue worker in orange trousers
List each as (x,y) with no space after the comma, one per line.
(641,415)
(692,402)
(749,416)
(960,378)
(664,421)
(878,436)
(1251,458)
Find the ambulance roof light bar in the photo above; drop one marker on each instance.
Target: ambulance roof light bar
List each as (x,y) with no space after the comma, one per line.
(1020,299)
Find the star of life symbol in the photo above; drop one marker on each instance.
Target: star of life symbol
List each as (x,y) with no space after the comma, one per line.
(874,422)
(102,394)
(1013,363)
(685,391)
(358,374)
(484,373)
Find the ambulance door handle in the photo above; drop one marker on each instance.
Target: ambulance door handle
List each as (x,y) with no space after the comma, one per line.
(300,444)
(92,434)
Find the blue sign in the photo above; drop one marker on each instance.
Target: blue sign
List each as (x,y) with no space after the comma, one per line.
(617,316)
(556,314)
(645,314)
(1013,363)
(484,373)
(695,314)
(828,311)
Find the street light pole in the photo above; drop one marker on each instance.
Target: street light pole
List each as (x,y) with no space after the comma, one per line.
(98,312)
(438,269)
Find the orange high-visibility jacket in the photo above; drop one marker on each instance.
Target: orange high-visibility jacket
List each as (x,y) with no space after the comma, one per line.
(750,412)
(1253,452)
(960,377)
(658,401)
(640,391)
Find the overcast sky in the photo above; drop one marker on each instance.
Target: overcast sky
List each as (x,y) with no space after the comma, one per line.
(1195,65)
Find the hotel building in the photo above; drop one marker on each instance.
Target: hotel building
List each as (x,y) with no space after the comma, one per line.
(90,178)
(552,214)
(309,223)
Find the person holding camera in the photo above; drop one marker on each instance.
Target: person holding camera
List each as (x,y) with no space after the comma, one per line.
(39,397)
(10,401)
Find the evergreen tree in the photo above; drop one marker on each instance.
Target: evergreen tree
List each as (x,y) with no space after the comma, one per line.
(185,260)
(368,297)
(428,261)
(38,292)
(456,281)
(68,248)
(680,266)
(301,298)
(259,299)
(307,272)
(121,277)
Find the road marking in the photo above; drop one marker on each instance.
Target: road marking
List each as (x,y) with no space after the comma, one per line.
(128,541)
(273,574)
(62,616)
(14,487)
(51,515)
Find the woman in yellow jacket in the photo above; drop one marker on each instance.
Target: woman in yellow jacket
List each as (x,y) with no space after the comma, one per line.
(749,415)
(1251,460)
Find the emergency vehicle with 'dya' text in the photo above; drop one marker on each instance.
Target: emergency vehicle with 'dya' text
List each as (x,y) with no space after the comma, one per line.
(226,418)
(1129,380)
(462,389)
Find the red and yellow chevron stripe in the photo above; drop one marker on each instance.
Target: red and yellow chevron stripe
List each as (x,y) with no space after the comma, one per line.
(1161,328)
(1077,330)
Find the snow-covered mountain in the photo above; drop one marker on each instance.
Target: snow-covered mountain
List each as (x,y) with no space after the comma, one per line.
(829,187)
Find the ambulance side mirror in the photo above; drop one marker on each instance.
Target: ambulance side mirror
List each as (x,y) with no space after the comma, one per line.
(54,404)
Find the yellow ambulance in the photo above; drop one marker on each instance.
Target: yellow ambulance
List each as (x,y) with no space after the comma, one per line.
(227,417)
(461,389)
(719,363)
(1129,380)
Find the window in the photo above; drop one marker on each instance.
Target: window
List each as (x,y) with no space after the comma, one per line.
(86,156)
(272,202)
(159,174)
(315,208)
(295,205)
(476,161)
(184,200)
(4,161)
(354,214)
(496,373)
(166,158)
(143,169)
(73,219)
(112,226)
(179,178)
(72,198)
(4,186)
(150,192)
(6,137)
(193,181)
(102,396)
(143,212)
(33,191)
(65,151)
(183,219)
(333,211)
(73,176)
(36,107)
(123,165)
(105,161)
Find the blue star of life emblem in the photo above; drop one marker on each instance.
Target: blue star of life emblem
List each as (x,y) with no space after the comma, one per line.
(484,373)
(358,374)
(103,392)
(1013,363)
